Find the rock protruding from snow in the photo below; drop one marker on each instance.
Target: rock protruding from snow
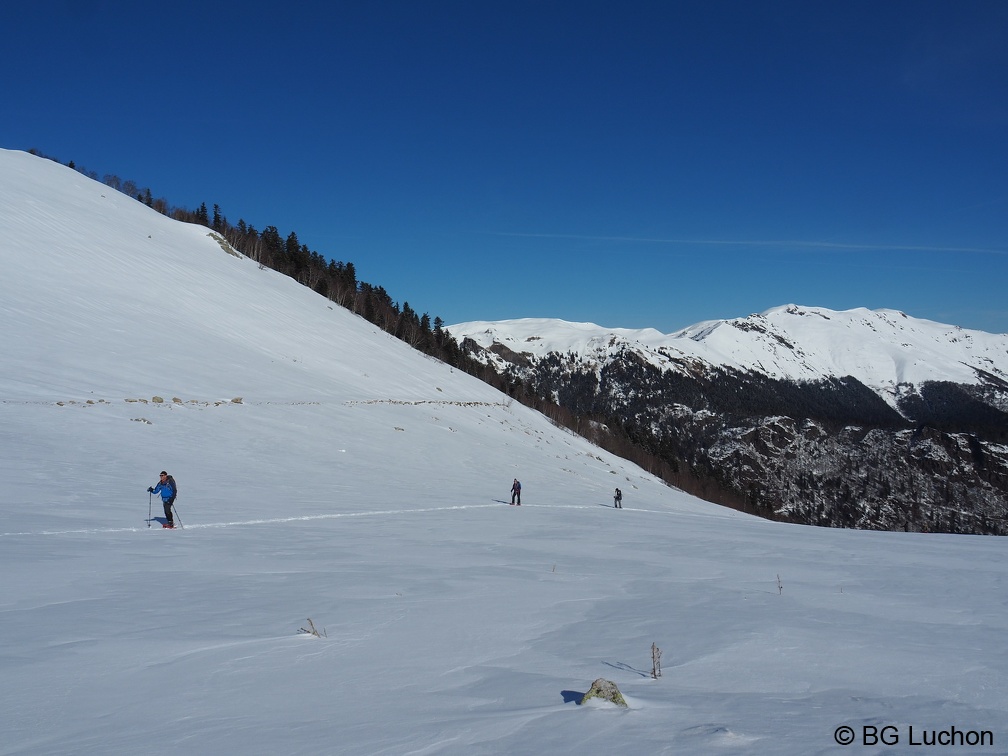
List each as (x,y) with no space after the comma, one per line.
(607,691)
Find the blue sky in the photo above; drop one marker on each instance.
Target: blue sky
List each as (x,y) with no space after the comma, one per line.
(633,164)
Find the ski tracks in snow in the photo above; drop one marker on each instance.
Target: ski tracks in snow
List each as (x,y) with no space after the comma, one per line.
(306,518)
(252,522)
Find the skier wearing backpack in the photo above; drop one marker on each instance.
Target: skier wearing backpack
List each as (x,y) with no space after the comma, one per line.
(516,492)
(618,500)
(168,490)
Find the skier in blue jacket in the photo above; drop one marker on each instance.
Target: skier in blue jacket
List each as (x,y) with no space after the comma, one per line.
(168,490)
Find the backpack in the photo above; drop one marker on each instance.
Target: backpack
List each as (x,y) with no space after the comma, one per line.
(174,487)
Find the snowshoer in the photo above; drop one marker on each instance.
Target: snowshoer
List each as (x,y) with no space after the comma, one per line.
(516,492)
(168,490)
(618,499)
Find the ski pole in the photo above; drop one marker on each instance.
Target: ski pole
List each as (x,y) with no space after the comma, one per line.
(150,498)
(175,510)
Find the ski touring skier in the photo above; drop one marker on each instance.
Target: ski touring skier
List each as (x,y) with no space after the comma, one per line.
(168,490)
(618,499)
(516,492)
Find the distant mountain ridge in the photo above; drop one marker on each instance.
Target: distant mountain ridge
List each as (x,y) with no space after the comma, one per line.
(858,418)
(886,350)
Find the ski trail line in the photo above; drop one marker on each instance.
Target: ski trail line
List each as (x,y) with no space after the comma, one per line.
(262,521)
(307,518)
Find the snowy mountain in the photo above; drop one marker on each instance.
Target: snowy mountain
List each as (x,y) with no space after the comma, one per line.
(886,350)
(868,419)
(328,471)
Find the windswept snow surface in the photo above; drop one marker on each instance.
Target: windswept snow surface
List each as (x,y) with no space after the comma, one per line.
(364,486)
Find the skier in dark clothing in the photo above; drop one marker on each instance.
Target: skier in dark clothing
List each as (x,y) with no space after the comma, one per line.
(618,499)
(516,492)
(168,490)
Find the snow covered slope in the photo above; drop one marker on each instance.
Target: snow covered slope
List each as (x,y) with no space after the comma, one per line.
(328,471)
(126,302)
(881,348)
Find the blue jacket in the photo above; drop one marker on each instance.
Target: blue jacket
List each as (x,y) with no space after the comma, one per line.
(166,490)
